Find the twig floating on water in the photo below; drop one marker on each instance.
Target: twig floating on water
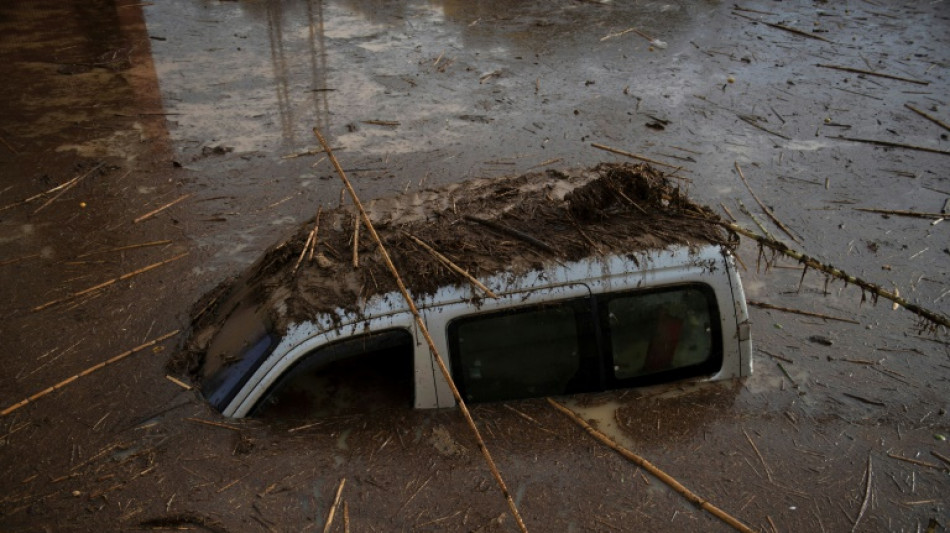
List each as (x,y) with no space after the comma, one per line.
(786,28)
(917,462)
(656,472)
(756,125)
(150,214)
(336,502)
(443,368)
(107,283)
(765,208)
(867,497)
(811,262)
(872,73)
(901,213)
(764,305)
(88,371)
(931,118)
(640,157)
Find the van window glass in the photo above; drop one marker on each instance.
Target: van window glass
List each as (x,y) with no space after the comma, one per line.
(662,331)
(356,375)
(519,353)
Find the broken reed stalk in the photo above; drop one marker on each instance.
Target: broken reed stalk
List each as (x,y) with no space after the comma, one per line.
(786,28)
(765,208)
(867,497)
(448,262)
(894,145)
(638,157)
(758,126)
(64,187)
(901,213)
(87,371)
(336,502)
(356,242)
(107,283)
(507,230)
(303,253)
(764,305)
(425,333)
(872,73)
(835,272)
(124,248)
(656,472)
(154,212)
(315,233)
(917,462)
(929,117)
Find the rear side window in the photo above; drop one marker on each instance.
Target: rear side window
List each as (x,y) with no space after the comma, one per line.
(674,332)
(608,341)
(521,353)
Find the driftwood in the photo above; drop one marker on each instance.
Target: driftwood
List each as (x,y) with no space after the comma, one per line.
(764,305)
(889,144)
(873,73)
(501,228)
(765,208)
(902,213)
(637,157)
(933,317)
(425,333)
(86,372)
(336,502)
(107,283)
(154,212)
(649,467)
(929,117)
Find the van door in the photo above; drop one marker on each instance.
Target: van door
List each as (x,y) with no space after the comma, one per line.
(523,344)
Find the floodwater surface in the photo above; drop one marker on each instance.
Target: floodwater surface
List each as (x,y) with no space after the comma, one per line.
(151,150)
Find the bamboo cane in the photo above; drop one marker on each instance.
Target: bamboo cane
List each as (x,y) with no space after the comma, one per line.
(649,467)
(86,372)
(425,333)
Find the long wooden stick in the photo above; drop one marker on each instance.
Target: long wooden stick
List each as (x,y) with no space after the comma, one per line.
(811,262)
(765,208)
(448,262)
(336,502)
(634,156)
(649,467)
(894,145)
(105,284)
(873,73)
(867,498)
(764,305)
(87,371)
(425,333)
(154,212)
(901,213)
(929,117)
(65,187)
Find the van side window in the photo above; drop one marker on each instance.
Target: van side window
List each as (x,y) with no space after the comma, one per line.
(528,352)
(358,374)
(673,330)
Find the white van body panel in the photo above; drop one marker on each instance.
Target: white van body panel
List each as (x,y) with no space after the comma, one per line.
(709,265)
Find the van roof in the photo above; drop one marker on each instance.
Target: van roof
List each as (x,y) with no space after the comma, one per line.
(488,226)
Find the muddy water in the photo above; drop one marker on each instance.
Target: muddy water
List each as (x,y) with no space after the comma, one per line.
(209,99)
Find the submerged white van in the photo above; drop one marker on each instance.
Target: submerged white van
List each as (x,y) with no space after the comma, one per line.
(609,321)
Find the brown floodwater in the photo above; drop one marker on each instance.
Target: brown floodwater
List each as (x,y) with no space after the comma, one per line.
(203,110)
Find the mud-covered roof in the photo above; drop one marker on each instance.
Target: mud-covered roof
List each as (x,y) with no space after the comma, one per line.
(485,226)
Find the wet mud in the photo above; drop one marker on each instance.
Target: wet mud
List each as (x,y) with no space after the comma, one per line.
(198,114)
